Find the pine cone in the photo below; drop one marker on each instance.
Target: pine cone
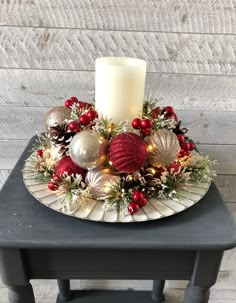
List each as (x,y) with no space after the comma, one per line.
(60,137)
(149,181)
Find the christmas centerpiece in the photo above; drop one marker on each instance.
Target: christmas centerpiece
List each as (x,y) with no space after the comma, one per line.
(121,159)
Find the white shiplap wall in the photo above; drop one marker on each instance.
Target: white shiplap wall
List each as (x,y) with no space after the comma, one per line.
(47,53)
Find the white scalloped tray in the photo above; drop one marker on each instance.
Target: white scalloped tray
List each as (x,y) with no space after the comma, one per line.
(94,210)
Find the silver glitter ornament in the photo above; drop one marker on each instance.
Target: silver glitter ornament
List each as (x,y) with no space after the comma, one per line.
(101,182)
(88,149)
(56,116)
(163,146)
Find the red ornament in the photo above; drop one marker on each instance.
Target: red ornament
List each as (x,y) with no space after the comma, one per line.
(146,123)
(185,146)
(174,167)
(136,123)
(181,153)
(92,114)
(143,202)
(84,120)
(69,103)
(52,186)
(169,109)
(39,152)
(56,178)
(84,104)
(66,165)
(180,138)
(158,172)
(133,208)
(146,131)
(137,196)
(74,126)
(74,99)
(156,112)
(127,152)
(191,146)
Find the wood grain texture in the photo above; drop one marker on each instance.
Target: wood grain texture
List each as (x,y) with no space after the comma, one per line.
(206,16)
(184,92)
(67,49)
(206,127)
(224,154)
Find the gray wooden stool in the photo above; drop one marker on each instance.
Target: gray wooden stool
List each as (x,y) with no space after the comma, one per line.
(38,243)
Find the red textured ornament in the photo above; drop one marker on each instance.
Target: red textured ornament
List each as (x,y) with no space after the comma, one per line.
(66,165)
(83,119)
(133,208)
(127,152)
(136,123)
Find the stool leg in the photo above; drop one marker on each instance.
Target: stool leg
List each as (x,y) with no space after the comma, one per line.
(196,294)
(64,290)
(205,270)
(157,290)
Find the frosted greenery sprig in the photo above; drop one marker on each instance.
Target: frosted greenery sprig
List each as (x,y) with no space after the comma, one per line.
(108,129)
(199,167)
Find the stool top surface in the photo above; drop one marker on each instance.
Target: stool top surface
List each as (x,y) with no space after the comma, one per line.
(25,223)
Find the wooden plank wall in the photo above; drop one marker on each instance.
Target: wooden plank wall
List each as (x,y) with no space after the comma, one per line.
(47,53)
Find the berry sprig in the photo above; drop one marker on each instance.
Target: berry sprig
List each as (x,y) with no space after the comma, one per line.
(144,125)
(185,145)
(138,200)
(82,115)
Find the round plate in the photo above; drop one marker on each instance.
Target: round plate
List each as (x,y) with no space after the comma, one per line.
(94,210)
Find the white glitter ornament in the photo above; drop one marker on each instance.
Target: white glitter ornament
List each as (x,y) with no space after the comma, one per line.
(101,182)
(163,146)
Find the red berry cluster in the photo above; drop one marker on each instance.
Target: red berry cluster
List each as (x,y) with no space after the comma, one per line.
(174,168)
(168,111)
(144,125)
(84,120)
(71,101)
(138,200)
(39,153)
(186,146)
(55,182)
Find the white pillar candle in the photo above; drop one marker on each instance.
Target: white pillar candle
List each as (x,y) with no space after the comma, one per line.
(119,87)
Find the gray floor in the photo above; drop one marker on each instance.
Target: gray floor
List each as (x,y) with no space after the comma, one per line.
(46,291)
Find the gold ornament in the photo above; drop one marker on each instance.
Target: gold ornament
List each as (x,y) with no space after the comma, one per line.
(56,116)
(163,146)
(88,149)
(101,182)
